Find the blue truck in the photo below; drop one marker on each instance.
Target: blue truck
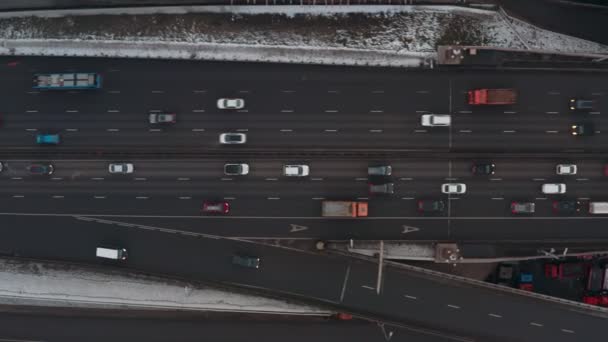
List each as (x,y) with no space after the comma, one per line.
(68,81)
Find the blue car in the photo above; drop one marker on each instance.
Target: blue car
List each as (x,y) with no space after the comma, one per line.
(47,139)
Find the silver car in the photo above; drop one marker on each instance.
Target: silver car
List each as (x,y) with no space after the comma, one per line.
(121,168)
(382,170)
(233,138)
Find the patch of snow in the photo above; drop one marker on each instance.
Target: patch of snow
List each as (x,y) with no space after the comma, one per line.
(50,284)
(405,36)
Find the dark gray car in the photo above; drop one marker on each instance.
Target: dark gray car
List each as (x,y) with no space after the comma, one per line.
(246,261)
(386,188)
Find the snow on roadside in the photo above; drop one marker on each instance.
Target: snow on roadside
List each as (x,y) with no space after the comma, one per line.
(353,35)
(51,284)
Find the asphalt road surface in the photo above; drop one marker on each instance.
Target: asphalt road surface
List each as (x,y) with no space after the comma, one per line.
(266,204)
(448,308)
(294,108)
(61,325)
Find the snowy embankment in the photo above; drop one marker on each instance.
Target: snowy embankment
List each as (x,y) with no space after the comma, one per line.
(48,284)
(350,35)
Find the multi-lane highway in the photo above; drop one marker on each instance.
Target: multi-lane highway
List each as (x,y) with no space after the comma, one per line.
(295,107)
(170,193)
(449,308)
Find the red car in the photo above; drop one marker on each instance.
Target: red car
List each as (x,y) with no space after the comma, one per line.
(210,207)
(605,170)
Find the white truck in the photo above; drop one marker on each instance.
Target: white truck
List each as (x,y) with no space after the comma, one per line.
(598,207)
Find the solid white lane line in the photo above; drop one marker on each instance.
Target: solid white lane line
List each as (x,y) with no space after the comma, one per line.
(453,306)
(536,324)
(494,315)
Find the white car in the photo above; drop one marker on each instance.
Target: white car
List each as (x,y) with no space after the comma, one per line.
(224,103)
(296,170)
(554,188)
(453,188)
(432,120)
(566,169)
(122,168)
(241,169)
(233,138)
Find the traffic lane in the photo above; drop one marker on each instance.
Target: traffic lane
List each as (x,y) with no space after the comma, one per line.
(92,325)
(410,169)
(201,139)
(527,141)
(537,91)
(414,298)
(181,255)
(506,316)
(532,228)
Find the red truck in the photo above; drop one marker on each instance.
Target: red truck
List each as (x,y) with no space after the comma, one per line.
(492,96)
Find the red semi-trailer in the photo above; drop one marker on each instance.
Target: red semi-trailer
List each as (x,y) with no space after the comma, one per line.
(492,96)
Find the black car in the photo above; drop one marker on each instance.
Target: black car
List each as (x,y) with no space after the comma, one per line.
(431,206)
(40,169)
(581,105)
(566,207)
(483,169)
(582,129)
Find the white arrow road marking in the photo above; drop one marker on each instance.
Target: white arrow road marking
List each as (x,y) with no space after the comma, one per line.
(409,229)
(296,228)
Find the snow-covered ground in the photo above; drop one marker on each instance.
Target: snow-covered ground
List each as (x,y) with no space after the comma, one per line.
(330,34)
(51,284)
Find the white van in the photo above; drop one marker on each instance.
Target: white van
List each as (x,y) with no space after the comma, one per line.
(112,253)
(598,207)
